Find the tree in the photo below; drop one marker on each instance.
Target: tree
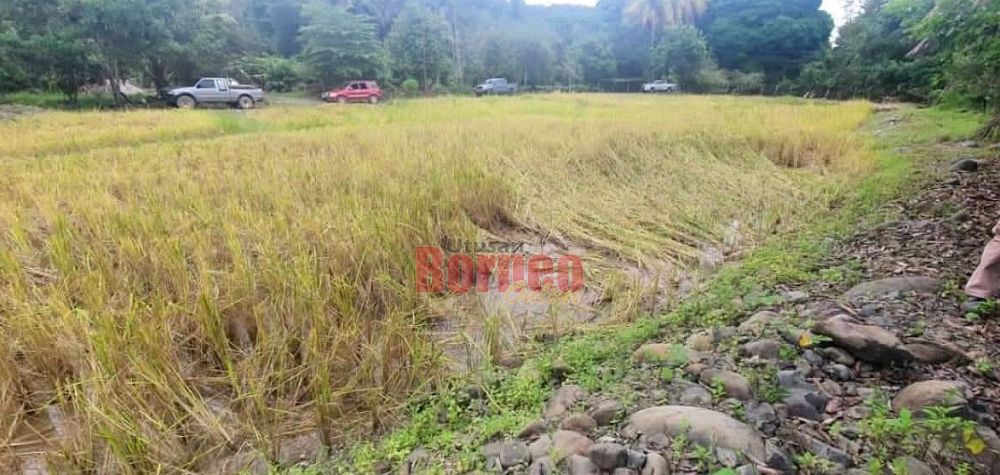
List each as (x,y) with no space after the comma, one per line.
(383,12)
(419,45)
(655,15)
(338,45)
(966,37)
(62,62)
(682,53)
(13,70)
(871,55)
(132,36)
(597,60)
(776,37)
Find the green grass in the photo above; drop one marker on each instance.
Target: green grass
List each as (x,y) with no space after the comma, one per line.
(57,100)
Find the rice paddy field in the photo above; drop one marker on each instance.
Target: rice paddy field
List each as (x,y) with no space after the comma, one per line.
(176,286)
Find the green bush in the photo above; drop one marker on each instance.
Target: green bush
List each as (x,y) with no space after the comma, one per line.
(274,73)
(410,87)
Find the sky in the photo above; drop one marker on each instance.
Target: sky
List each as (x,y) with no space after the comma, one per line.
(834,7)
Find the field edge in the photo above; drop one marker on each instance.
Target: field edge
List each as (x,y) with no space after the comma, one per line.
(438,423)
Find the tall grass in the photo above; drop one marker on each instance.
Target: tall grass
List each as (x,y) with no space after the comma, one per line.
(183,286)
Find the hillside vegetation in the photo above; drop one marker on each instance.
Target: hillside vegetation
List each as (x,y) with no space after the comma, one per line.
(178,285)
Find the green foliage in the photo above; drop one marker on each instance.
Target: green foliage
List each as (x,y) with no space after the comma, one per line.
(683,54)
(812,464)
(656,15)
(274,73)
(57,100)
(766,386)
(871,56)
(939,432)
(900,49)
(775,37)
(667,375)
(62,62)
(966,35)
(984,366)
(339,46)
(13,69)
(410,87)
(596,60)
(419,45)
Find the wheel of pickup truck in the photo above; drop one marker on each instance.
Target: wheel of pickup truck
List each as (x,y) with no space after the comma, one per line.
(373,100)
(341,100)
(186,102)
(245,102)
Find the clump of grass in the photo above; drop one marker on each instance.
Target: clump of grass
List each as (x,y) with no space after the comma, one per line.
(183,285)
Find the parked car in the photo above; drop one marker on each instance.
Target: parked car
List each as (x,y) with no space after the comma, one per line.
(355,91)
(660,85)
(495,86)
(215,91)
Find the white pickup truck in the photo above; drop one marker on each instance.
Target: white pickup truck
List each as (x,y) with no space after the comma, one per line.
(659,85)
(215,91)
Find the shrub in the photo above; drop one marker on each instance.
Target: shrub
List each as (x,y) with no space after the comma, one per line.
(410,87)
(273,72)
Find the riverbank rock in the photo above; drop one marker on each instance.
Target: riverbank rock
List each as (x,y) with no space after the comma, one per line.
(803,399)
(655,465)
(932,352)
(918,396)
(705,340)
(837,355)
(540,447)
(581,423)
(913,466)
(756,324)
(580,465)
(891,286)
(696,395)
(967,165)
(763,417)
(656,353)
(533,430)
(735,384)
(764,349)
(865,342)
(703,426)
(513,454)
(608,456)
(567,442)
(606,412)
(563,400)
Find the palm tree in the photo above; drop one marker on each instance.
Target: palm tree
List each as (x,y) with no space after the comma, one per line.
(655,15)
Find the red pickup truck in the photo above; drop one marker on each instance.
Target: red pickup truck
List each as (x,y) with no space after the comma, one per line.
(355,91)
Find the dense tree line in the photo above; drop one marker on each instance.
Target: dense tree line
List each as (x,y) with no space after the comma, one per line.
(925,50)
(936,51)
(61,44)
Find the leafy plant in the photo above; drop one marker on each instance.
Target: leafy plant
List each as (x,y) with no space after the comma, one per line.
(812,464)
(985,366)
(704,457)
(718,389)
